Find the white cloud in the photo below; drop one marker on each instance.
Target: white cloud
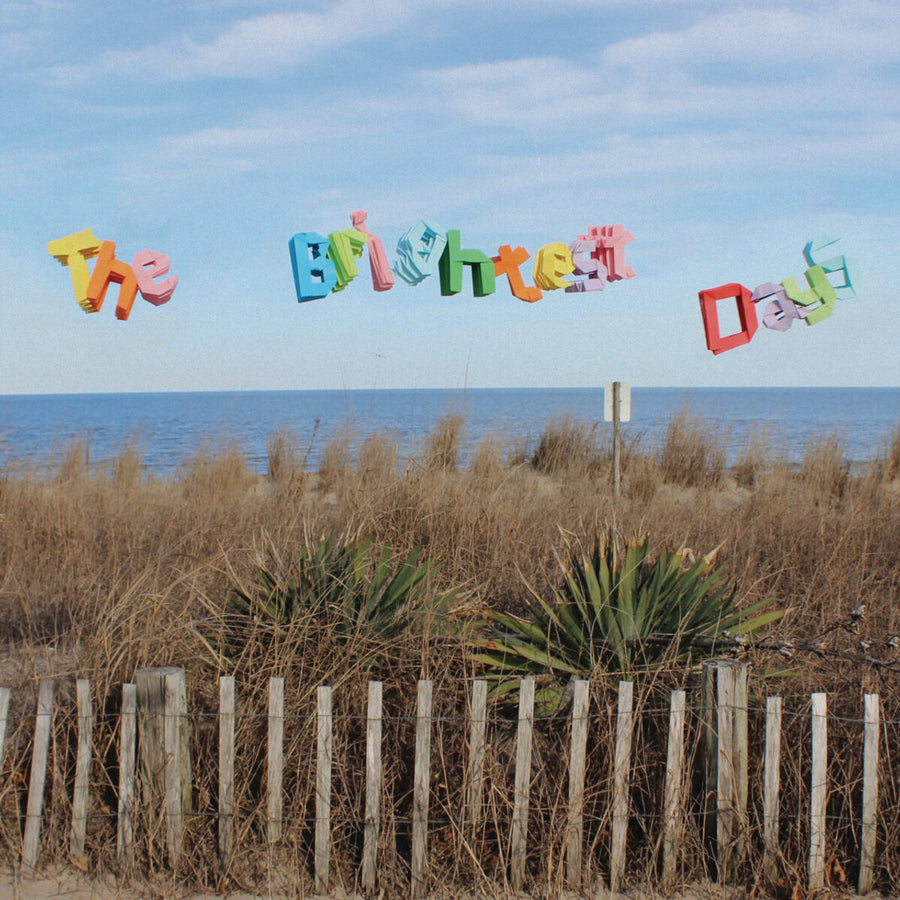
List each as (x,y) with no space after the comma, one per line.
(824,33)
(258,46)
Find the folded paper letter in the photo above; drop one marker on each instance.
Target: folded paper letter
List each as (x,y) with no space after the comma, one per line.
(586,263)
(110,270)
(610,241)
(74,251)
(551,263)
(715,341)
(454,259)
(345,247)
(314,274)
(780,312)
(382,277)
(843,289)
(820,291)
(507,263)
(148,265)
(419,252)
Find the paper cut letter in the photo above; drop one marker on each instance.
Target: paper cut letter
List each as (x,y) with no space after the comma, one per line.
(610,241)
(507,263)
(780,312)
(844,289)
(345,248)
(314,274)
(148,265)
(715,341)
(111,270)
(551,263)
(586,264)
(419,252)
(453,260)
(74,251)
(382,277)
(819,291)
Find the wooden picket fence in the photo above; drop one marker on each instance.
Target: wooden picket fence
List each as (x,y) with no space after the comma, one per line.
(152,742)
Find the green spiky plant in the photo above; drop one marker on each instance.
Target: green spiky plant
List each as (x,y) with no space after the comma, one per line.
(617,610)
(339,591)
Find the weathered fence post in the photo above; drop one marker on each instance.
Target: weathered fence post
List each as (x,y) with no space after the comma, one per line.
(477,737)
(43,724)
(870,794)
(421,792)
(726,758)
(175,739)
(725,770)
(226,770)
(4,717)
(674,804)
(127,759)
(771,787)
(82,769)
(577,755)
(275,760)
(818,799)
(372,820)
(621,780)
(165,766)
(324,753)
(519,835)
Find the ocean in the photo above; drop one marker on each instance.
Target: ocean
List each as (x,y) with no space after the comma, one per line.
(170,428)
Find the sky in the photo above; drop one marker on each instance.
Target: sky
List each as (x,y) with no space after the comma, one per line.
(723,135)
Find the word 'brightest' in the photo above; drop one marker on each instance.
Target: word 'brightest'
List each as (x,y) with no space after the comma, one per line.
(787,301)
(323,265)
(90,287)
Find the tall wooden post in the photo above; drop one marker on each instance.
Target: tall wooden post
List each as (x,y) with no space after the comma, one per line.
(725,751)
(617,438)
(165,765)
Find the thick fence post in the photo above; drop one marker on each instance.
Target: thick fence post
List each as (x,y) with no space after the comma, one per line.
(726,761)
(163,765)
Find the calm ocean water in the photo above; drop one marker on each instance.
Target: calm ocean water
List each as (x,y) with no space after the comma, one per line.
(170,428)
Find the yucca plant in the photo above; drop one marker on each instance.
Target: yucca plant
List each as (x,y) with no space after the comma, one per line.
(617,610)
(339,590)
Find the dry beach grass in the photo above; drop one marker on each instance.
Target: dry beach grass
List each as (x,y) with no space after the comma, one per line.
(103,572)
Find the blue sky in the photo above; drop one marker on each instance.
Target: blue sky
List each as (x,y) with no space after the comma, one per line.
(723,135)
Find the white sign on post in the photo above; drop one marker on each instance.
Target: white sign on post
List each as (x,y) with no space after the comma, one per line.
(624,402)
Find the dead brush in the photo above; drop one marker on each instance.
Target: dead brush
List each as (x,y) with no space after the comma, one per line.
(336,461)
(825,469)
(442,450)
(101,575)
(567,448)
(692,454)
